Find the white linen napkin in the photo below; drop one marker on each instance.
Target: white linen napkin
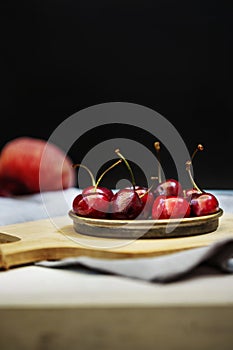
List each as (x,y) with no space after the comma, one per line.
(33,207)
(165,268)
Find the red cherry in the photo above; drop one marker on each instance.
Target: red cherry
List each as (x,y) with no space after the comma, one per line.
(92,205)
(94,202)
(126,204)
(203,204)
(169,187)
(147,199)
(166,207)
(190,192)
(101,190)
(145,195)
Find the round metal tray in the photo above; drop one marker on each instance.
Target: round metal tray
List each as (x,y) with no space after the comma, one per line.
(135,229)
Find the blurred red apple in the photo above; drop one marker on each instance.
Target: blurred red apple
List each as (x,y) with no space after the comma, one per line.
(30,165)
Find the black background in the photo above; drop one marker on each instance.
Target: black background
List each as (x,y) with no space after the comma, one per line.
(60,56)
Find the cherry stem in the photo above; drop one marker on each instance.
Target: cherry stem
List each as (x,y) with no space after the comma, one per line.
(157,148)
(153,178)
(117,151)
(199,148)
(88,170)
(107,170)
(188,166)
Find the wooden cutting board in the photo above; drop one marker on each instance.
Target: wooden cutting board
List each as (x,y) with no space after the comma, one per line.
(26,243)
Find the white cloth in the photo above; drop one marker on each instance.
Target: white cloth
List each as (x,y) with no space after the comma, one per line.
(34,207)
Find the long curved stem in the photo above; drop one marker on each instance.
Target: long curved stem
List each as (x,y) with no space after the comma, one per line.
(188,166)
(88,170)
(107,170)
(157,148)
(199,148)
(117,151)
(153,178)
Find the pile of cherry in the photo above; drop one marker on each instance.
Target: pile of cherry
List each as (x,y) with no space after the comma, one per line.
(164,201)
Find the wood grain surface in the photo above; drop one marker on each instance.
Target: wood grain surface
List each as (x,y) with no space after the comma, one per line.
(49,239)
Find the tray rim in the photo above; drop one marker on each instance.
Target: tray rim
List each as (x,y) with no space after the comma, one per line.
(149,222)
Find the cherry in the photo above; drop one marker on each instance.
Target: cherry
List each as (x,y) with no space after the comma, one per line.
(126,203)
(94,201)
(101,190)
(92,205)
(95,185)
(201,203)
(190,192)
(147,199)
(170,187)
(166,207)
